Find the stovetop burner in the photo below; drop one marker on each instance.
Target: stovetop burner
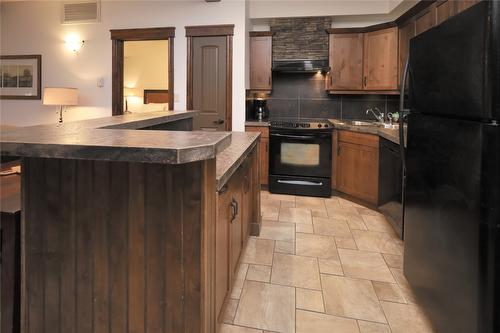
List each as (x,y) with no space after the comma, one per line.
(306,125)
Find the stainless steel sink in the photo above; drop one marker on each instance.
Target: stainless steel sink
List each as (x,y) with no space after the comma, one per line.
(390,126)
(368,123)
(363,123)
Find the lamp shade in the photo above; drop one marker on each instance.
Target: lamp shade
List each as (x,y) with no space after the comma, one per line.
(131,92)
(60,96)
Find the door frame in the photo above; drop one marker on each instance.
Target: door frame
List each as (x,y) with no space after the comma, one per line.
(118,37)
(225,30)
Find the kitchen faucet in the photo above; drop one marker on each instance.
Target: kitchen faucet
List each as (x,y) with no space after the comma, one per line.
(379,115)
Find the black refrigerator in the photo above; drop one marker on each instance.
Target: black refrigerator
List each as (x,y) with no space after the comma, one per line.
(452,168)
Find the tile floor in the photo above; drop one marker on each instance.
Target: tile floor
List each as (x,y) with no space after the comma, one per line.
(321,266)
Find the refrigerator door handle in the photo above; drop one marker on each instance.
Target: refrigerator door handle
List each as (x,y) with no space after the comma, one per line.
(402,113)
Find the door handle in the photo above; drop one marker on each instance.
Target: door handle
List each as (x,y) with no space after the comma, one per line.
(305,137)
(219,121)
(300,182)
(365,81)
(234,209)
(269,80)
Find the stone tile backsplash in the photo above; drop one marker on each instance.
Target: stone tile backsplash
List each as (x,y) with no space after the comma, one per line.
(303,96)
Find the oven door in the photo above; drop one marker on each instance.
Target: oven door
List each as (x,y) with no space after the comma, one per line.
(300,154)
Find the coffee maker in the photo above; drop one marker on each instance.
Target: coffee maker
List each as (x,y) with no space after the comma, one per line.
(261,112)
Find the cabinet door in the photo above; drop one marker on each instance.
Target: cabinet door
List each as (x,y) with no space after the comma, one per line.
(235,219)
(444,10)
(381,60)
(406,32)
(264,161)
(346,61)
(358,171)
(425,21)
(222,274)
(260,63)
(461,5)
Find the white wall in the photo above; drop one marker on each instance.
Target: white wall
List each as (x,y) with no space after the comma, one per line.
(33,27)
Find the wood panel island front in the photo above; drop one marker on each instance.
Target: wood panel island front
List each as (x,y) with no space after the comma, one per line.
(132,223)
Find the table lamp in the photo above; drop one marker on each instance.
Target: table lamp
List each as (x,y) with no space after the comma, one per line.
(129,92)
(62,97)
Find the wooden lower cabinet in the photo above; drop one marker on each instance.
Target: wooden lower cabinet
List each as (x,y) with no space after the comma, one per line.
(264,151)
(357,165)
(237,216)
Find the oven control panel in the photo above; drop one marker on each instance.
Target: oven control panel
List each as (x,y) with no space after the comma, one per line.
(300,125)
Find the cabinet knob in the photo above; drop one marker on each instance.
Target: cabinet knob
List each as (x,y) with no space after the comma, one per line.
(219,121)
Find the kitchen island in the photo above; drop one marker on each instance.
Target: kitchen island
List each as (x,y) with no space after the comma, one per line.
(119,222)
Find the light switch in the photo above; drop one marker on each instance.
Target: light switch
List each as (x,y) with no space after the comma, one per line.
(100,82)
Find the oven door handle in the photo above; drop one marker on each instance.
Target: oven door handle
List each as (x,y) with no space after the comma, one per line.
(294,136)
(300,182)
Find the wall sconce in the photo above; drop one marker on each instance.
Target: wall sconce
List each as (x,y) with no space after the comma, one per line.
(74,43)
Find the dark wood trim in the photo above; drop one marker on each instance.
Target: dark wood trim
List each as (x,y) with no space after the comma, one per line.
(189,79)
(117,77)
(210,30)
(361,29)
(229,84)
(419,6)
(119,36)
(147,92)
(261,33)
(143,34)
(38,58)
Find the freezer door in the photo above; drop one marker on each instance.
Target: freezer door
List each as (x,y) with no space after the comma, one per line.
(451,209)
(454,66)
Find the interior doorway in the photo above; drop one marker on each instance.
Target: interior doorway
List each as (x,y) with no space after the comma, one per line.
(209,76)
(131,91)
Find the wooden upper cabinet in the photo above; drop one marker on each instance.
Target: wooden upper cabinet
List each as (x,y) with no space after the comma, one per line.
(346,61)
(425,21)
(461,5)
(260,61)
(406,32)
(444,10)
(381,60)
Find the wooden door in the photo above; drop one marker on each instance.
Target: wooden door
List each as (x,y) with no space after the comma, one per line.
(222,275)
(444,10)
(381,60)
(260,63)
(406,32)
(209,56)
(425,21)
(346,61)
(235,219)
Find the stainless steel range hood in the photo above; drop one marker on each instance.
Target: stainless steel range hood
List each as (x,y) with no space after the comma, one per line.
(300,66)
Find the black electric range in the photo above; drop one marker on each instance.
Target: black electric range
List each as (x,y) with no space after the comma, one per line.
(300,157)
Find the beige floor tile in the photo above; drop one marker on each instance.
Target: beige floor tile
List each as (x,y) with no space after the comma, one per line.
(277,231)
(287,204)
(393,261)
(281,197)
(388,292)
(258,251)
(295,215)
(347,203)
(270,212)
(295,271)
(365,265)
(304,228)
(311,322)
(332,202)
(224,328)
(259,273)
(406,318)
(284,247)
(375,241)
(267,306)
(319,246)
(354,298)
(311,300)
(369,327)
(368,211)
(404,285)
(239,281)
(330,266)
(377,223)
(331,227)
(316,205)
(356,223)
(345,243)
(229,311)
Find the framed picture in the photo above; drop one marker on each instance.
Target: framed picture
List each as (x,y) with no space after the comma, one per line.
(20,76)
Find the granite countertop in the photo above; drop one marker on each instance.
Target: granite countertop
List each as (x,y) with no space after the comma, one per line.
(231,158)
(261,123)
(391,134)
(116,139)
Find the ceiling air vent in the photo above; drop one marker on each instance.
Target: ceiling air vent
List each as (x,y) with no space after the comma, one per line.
(81,11)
